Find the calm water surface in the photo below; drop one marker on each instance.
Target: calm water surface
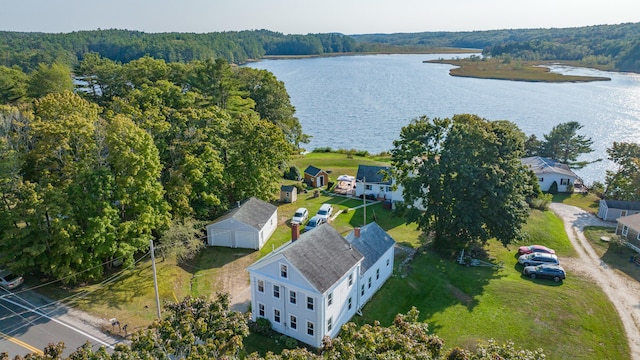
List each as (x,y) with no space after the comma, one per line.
(362,102)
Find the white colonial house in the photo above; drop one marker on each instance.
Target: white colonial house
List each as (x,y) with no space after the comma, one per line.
(549,171)
(377,181)
(249,225)
(309,287)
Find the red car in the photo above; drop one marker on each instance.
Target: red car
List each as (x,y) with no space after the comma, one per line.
(534,248)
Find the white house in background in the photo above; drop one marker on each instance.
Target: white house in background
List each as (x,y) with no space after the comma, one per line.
(611,210)
(309,287)
(249,225)
(549,171)
(377,181)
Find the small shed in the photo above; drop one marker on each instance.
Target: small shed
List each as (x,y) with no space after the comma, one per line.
(249,225)
(288,194)
(611,210)
(315,177)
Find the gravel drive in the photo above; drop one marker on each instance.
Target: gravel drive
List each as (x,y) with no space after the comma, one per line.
(623,291)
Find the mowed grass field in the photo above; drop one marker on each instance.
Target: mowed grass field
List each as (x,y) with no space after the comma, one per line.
(462,305)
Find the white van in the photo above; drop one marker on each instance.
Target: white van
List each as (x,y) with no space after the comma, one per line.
(325,211)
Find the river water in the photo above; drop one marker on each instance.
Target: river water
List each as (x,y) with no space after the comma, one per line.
(362,102)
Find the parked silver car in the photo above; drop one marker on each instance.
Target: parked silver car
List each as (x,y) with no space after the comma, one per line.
(538,258)
(9,280)
(325,211)
(301,215)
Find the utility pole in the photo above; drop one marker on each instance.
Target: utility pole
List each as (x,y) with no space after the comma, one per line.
(364,198)
(155,279)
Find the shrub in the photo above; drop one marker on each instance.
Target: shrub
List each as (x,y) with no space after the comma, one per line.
(325,149)
(541,202)
(288,342)
(293,173)
(570,188)
(362,153)
(261,326)
(553,189)
(597,188)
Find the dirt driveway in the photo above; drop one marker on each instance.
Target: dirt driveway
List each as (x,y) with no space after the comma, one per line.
(623,291)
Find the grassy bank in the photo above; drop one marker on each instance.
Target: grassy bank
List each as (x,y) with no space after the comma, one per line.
(515,70)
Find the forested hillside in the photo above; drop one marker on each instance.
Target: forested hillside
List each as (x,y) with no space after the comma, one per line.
(90,176)
(616,47)
(28,50)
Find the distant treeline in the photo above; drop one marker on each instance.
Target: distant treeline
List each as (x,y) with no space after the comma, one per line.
(28,50)
(615,47)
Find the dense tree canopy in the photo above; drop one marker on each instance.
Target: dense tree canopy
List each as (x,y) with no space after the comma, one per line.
(92,176)
(623,183)
(466,174)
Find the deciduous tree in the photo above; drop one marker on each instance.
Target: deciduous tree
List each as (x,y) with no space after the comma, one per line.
(463,179)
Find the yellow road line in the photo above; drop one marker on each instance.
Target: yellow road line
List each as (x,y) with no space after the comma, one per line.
(21,343)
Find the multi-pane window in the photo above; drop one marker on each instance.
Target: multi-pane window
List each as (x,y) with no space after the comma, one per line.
(261,286)
(309,328)
(330,323)
(283,270)
(293,322)
(276,315)
(276,291)
(369,283)
(350,279)
(377,274)
(292,297)
(625,230)
(368,187)
(362,290)
(349,302)
(261,310)
(387,262)
(564,181)
(309,303)
(330,299)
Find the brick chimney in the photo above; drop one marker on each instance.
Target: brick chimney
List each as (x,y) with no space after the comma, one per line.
(295,231)
(356,232)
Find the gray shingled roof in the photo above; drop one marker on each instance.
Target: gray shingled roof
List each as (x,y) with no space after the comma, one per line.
(253,212)
(632,221)
(374,174)
(312,170)
(322,255)
(287,188)
(372,243)
(541,166)
(624,205)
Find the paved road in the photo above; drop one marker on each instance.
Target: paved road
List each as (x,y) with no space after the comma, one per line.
(29,322)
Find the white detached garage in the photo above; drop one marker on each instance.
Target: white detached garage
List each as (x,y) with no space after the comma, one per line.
(247,226)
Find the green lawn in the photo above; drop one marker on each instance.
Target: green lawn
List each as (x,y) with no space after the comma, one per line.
(461,304)
(588,202)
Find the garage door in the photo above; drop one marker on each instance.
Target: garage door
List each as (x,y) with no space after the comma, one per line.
(222,238)
(245,239)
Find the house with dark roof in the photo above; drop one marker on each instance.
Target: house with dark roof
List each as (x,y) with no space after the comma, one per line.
(309,287)
(315,177)
(377,181)
(611,210)
(549,171)
(249,225)
(628,228)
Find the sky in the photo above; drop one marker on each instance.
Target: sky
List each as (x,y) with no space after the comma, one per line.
(307,16)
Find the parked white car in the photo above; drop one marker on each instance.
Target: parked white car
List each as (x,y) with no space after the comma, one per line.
(325,212)
(301,215)
(538,259)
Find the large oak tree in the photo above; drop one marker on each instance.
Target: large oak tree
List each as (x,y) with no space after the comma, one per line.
(463,179)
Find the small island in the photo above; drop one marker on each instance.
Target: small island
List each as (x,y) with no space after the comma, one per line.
(502,69)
